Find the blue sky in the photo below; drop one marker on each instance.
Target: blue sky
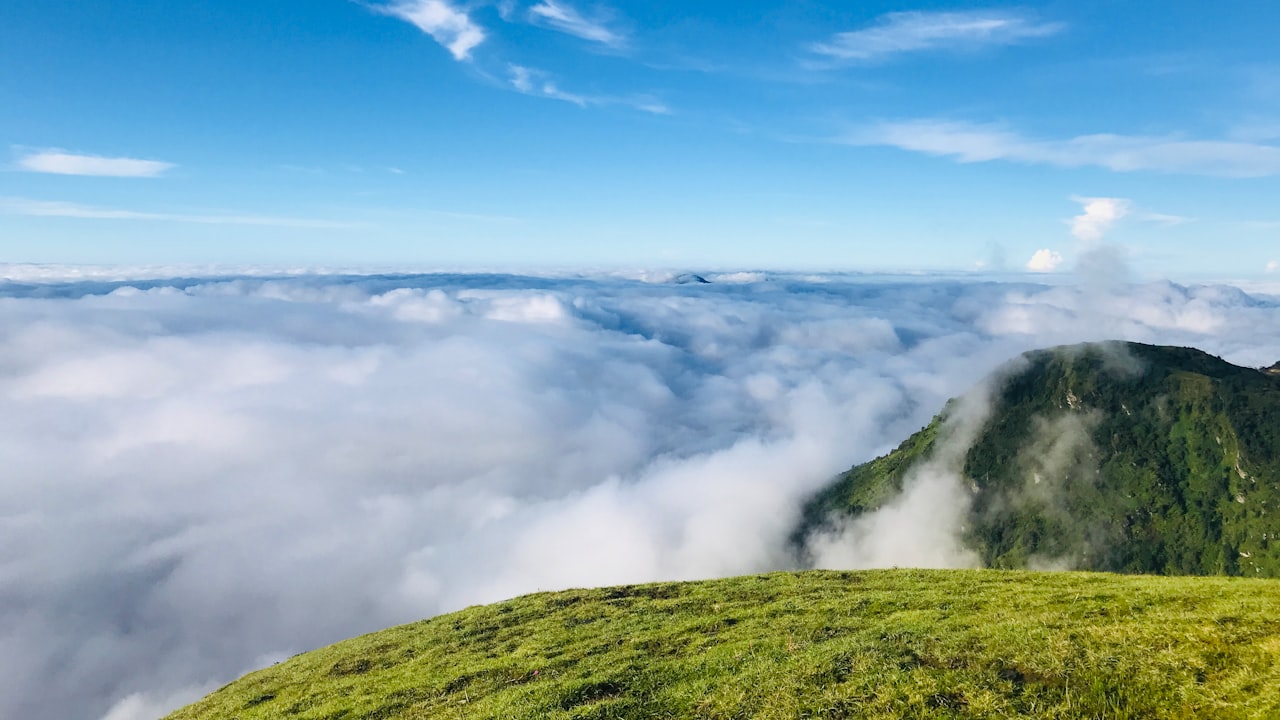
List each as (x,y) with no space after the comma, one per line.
(871,135)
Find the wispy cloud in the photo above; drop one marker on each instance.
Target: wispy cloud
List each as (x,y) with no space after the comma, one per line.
(531,81)
(60,162)
(969,142)
(1256,129)
(54,208)
(446,24)
(476,217)
(1162,218)
(902,32)
(534,82)
(563,17)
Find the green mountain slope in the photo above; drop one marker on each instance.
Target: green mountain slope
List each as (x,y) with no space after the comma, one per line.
(1115,456)
(874,644)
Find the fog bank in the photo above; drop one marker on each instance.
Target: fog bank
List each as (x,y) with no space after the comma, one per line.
(205,475)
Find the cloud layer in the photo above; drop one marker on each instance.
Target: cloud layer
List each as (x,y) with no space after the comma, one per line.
(208,474)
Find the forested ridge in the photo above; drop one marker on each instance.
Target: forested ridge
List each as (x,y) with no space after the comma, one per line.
(1120,457)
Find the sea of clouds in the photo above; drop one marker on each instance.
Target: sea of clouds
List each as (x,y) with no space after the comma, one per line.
(204,475)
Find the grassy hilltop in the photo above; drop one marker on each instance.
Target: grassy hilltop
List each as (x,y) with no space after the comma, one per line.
(874,644)
(1118,457)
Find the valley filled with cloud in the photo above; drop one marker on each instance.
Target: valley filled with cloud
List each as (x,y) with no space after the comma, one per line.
(209,474)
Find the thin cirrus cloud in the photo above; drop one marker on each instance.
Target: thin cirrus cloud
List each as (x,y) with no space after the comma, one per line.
(454,29)
(60,162)
(451,27)
(537,83)
(973,142)
(904,32)
(54,208)
(533,82)
(563,17)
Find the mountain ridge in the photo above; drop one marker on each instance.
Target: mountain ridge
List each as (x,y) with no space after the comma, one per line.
(1109,456)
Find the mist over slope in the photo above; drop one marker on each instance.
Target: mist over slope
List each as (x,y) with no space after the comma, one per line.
(1110,456)
(205,475)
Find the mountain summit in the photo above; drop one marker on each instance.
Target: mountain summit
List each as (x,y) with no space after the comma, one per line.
(1112,456)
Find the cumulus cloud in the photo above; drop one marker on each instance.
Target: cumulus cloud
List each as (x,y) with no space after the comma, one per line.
(446,24)
(1097,216)
(60,162)
(565,18)
(1044,260)
(1273,266)
(190,463)
(971,142)
(903,32)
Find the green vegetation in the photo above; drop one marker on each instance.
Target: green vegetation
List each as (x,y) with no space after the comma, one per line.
(1117,457)
(875,644)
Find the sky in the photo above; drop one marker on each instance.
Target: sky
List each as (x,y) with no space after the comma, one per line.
(206,475)
(936,136)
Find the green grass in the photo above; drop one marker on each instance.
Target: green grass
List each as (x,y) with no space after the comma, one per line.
(875,644)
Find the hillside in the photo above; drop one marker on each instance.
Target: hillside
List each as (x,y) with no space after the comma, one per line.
(874,644)
(1116,456)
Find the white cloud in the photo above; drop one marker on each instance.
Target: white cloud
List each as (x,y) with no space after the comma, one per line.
(59,162)
(531,81)
(561,16)
(968,142)
(54,208)
(1162,218)
(446,24)
(1044,260)
(902,32)
(534,82)
(189,463)
(1256,130)
(1097,216)
(144,706)
(922,526)
(1273,266)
